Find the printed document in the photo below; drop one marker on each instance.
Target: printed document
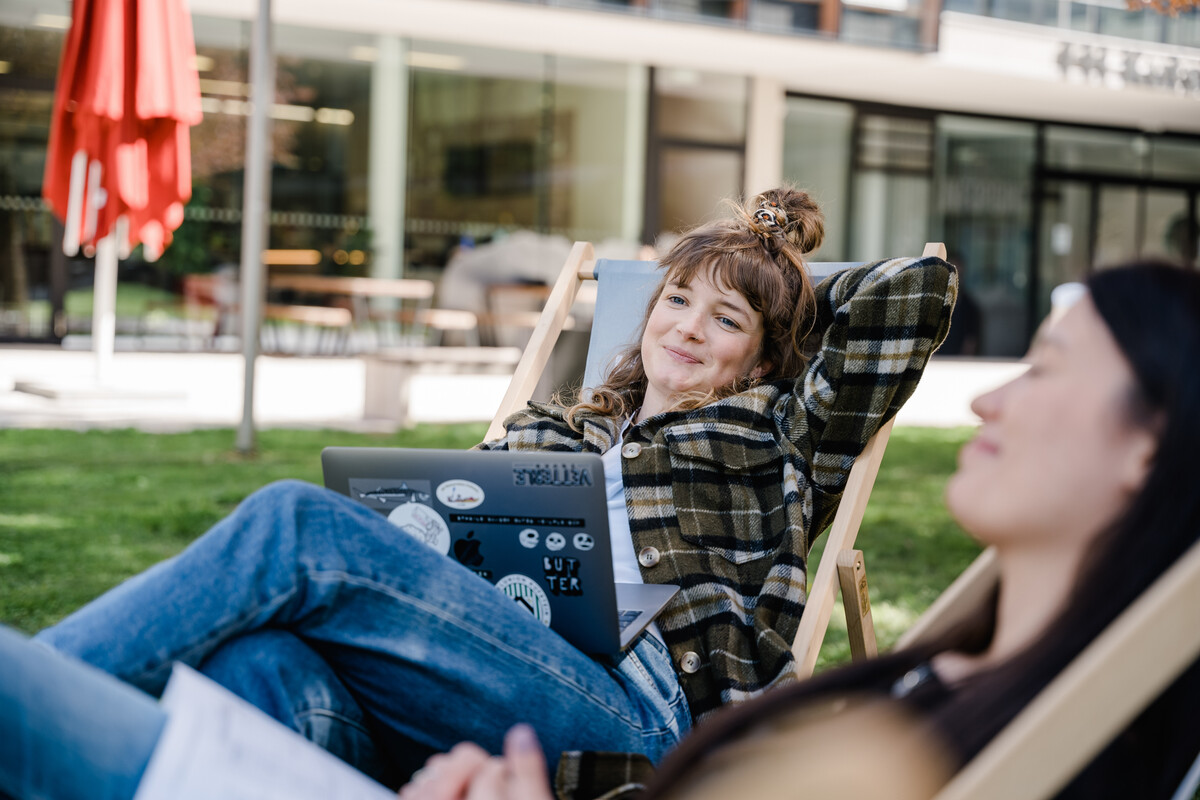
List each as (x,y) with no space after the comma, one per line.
(216,745)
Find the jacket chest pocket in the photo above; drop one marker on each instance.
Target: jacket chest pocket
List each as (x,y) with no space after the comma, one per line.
(727,484)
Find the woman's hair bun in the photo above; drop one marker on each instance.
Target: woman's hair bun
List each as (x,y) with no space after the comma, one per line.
(786,215)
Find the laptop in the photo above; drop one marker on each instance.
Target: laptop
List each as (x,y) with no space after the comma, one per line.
(534,524)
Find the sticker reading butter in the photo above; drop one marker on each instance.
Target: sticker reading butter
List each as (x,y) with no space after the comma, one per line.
(422,523)
(526,593)
(460,494)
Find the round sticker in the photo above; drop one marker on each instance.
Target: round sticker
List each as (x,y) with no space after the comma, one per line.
(529,538)
(525,592)
(460,494)
(422,523)
(556,541)
(583,541)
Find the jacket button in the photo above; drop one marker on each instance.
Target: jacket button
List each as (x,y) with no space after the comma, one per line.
(690,662)
(631,450)
(649,557)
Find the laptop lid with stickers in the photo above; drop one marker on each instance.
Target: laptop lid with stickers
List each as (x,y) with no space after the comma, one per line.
(534,524)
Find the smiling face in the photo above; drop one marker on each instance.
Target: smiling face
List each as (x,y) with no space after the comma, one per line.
(698,337)
(1058,456)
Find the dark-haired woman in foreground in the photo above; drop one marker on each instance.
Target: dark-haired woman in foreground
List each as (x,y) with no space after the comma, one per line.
(1083,478)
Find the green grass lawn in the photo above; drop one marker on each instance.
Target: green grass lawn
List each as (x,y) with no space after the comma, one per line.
(82,511)
(133,300)
(912,548)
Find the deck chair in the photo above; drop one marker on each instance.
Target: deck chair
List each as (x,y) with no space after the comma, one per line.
(625,285)
(1094,698)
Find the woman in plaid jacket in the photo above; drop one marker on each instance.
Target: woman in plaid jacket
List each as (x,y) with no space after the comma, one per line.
(728,481)
(726,451)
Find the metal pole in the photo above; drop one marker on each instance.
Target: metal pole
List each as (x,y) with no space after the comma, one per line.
(255,204)
(633,187)
(388,156)
(104,304)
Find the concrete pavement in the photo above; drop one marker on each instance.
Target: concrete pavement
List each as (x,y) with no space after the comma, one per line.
(185,390)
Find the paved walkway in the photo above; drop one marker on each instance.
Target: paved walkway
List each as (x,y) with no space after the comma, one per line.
(181,391)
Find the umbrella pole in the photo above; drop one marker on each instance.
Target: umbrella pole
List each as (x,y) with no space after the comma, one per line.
(75,203)
(104,304)
(256,194)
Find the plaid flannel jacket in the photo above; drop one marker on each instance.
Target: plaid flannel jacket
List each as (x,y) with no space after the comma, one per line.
(725,500)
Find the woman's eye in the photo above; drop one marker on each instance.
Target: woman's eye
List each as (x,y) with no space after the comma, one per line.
(728,323)
(675,299)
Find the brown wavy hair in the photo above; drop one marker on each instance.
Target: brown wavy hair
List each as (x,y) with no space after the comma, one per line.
(759,253)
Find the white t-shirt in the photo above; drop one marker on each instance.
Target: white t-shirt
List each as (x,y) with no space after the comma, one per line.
(625,563)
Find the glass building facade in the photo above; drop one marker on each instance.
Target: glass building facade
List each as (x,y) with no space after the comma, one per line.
(1022,206)
(390,152)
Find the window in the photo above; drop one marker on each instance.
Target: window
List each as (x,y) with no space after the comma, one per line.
(816,157)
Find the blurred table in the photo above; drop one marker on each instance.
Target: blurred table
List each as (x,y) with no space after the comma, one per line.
(407,297)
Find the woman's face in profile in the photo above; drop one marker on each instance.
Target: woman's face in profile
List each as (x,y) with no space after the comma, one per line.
(1058,455)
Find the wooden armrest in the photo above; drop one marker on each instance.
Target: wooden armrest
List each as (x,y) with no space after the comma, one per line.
(860,625)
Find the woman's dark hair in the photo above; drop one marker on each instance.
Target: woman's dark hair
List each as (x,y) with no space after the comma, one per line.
(759,253)
(1152,310)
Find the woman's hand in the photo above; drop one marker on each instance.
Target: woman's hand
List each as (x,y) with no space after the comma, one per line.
(467,772)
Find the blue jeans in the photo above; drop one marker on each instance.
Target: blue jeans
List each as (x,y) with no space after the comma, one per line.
(67,730)
(283,676)
(423,652)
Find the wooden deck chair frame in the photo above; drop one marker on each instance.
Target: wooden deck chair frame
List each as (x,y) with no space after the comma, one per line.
(1087,705)
(840,563)
(1100,692)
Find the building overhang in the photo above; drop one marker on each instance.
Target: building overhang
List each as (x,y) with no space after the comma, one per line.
(983,65)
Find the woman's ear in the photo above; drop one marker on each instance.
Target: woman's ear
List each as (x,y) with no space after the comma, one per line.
(1139,456)
(761,369)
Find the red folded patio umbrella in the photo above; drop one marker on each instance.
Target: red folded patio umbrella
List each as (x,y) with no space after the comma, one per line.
(119,145)
(119,160)
(127,95)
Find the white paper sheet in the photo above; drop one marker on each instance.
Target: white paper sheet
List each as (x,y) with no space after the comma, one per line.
(216,746)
